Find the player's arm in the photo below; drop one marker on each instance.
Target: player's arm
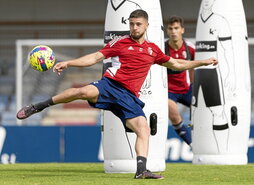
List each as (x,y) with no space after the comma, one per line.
(180,65)
(84,61)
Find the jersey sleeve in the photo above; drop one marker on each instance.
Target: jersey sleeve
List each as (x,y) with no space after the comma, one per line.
(111,49)
(224,31)
(161,57)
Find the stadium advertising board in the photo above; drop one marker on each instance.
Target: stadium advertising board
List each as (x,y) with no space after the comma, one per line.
(31,144)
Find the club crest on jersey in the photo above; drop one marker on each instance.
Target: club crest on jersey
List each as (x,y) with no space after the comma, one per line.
(150,51)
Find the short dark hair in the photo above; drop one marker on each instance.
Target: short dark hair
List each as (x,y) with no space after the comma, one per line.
(175,19)
(139,13)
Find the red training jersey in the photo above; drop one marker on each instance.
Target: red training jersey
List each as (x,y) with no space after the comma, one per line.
(131,61)
(179,83)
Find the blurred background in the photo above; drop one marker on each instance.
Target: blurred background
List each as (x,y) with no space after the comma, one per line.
(57,19)
(77,19)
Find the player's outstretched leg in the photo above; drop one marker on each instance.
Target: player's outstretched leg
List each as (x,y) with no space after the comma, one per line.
(89,92)
(26,111)
(29,110)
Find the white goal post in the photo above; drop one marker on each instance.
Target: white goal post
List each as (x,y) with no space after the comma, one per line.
(22,64)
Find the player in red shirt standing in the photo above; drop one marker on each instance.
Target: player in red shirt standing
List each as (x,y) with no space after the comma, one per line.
(179,82)
(118,90)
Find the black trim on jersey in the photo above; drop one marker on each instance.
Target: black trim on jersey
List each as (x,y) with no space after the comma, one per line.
(188,57)
(220,127)
(225,38)
(206,18)
(115,8)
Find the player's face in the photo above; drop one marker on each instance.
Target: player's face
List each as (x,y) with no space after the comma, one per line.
(175,31)
(138,27)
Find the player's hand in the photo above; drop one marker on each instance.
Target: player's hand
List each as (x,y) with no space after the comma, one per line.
(212,60)
(59,67)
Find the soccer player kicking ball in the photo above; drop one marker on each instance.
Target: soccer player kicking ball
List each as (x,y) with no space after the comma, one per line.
(118,90)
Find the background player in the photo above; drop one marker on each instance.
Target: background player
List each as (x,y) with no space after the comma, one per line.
(179,82)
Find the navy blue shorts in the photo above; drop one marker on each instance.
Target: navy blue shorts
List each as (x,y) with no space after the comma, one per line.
(184,99)
(120,101)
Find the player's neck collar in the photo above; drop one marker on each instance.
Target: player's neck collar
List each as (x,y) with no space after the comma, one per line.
(204,20)
(176,46)
(138,41)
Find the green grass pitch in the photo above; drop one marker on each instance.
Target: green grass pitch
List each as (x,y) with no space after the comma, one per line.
(93,174)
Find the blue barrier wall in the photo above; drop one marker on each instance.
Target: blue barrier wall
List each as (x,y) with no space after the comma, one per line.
(32,144)
(51,144)
(76,144)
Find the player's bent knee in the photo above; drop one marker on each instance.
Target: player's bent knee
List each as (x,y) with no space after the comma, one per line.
(138,125)
(88,92)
